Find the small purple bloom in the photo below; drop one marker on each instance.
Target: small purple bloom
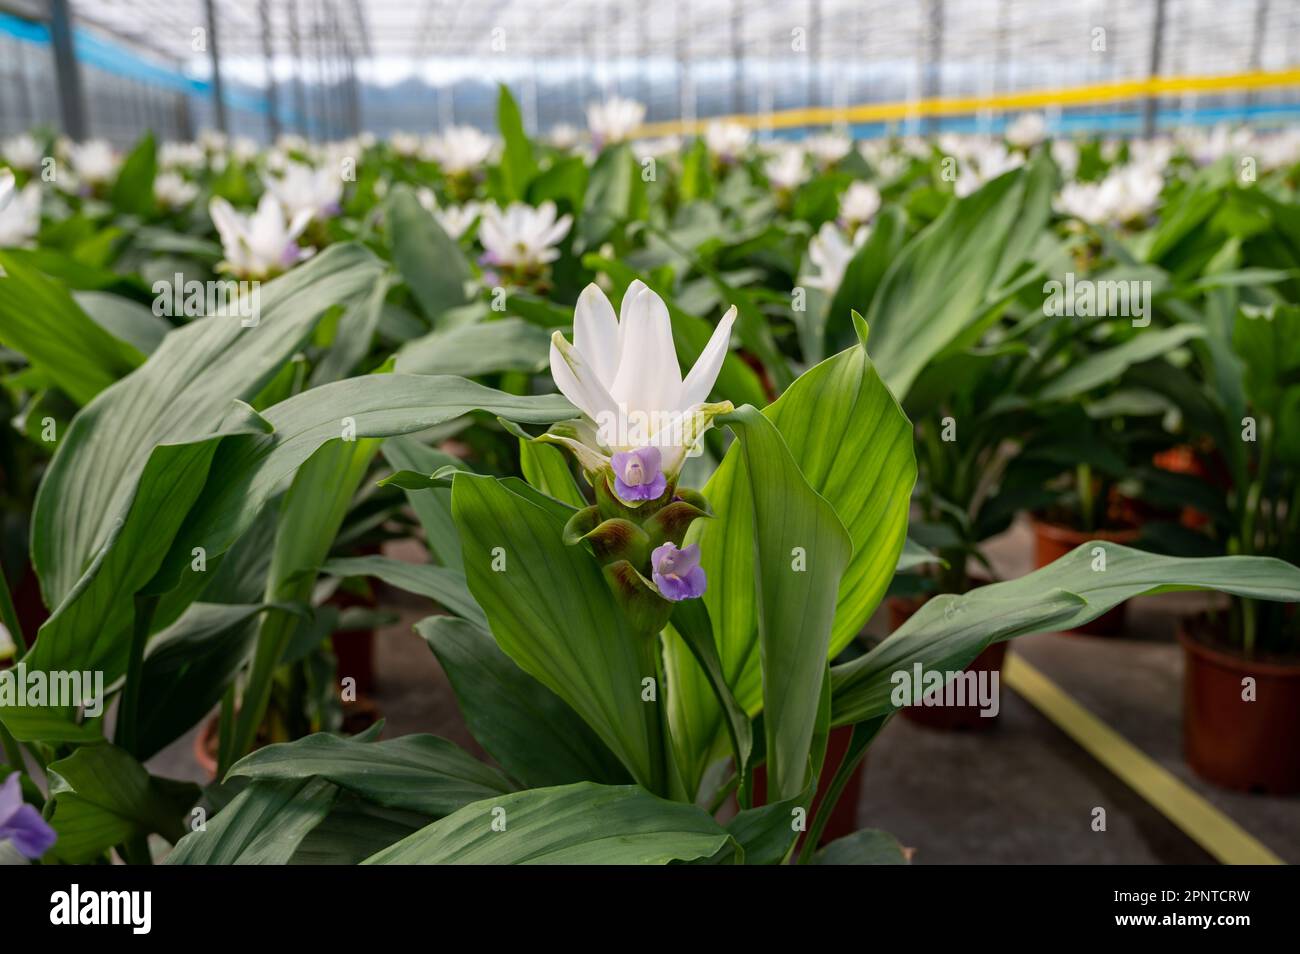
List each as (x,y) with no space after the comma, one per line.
(676,572)
(22,824)
(638,474)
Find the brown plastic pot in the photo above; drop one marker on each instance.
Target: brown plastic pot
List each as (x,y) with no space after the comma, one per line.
(1250,746)
(844,816)
(1053,541)
(950,718)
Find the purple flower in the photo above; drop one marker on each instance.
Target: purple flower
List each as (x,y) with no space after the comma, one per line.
(677,572)
(638,474)
(22,824)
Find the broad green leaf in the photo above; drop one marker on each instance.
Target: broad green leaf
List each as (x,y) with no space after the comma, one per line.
(133,190)
(264,825)
(861,280)
(517,163)
(431,263)
(125,319)
(869,846)
(572,824)
(937,285)
(488,347)
(353,831)
(853,445)
(535,736)
(1107,365)
(950,631)
(609,196)
(443,585)
(42,322)
(552,612)
(433,506)
(419,773)
(103,797)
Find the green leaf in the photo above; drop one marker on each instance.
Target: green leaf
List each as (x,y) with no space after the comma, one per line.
(263,825)
(854,447)
(572,824)
(488,347)
(609,197)
(801,550)
(433,506)
(124,319)
(553,613)
(1106,366)
(419,773)
(517,163)
(869,846)
(862,277)
(535,736)
(133,190)
(443,585)
(937,285)
(948,632)
(430,261)
(103,797)
(43,323)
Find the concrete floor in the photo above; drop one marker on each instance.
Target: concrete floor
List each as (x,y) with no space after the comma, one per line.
(1020,793)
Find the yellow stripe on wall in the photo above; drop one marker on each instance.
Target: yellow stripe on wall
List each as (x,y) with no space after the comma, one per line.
(1202,822)
(1159,86)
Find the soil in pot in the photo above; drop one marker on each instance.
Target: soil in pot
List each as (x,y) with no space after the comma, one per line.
(967,717)
(1053,541)
(1250,746)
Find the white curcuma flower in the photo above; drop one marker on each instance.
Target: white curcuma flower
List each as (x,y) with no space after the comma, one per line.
(1065,153)
(459,150)
(522,237)
(317,192)
(831,252)
(260,245)
(989,161)
(20,212)
(622,373)
(563,136)
(614,120)
(828,148)
(7,647)
(405,145)
(727,140)
(95,162)
(859,204)
(1127,194)
(172,191)
(1027,131)
(785,170)
(454,219)
(22,152)
(181,155)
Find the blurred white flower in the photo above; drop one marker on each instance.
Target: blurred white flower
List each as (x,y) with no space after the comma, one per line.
(291,142)
(20,211)
(302,189)
(614,120)
(831,252)
(1221,141)
(172,191)
(859,204)
(563,136)
(243,150)
(458,150)
(1127,194)
(1065,153)
(663,146)
(22,152)
(1277,151)
(262,244)
(405,145)
(786,169)
(7,647)
(990,160)
(828,148)
(213,140)
(727,140)
(1027,131)
(521,237)
(181,155)
(454,219)
(95,161)
(1152,153)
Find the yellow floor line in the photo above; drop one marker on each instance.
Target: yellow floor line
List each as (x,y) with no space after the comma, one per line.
(1206,825)
(1088,94)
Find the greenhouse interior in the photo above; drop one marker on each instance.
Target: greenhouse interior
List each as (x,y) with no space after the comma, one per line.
(956,520)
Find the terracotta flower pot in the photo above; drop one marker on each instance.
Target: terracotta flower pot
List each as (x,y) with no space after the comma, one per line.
(964,717)
(1053,541)
(1251,746)
(844,816)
